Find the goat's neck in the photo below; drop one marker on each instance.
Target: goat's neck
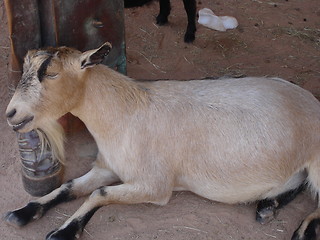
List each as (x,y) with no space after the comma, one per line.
(109,98)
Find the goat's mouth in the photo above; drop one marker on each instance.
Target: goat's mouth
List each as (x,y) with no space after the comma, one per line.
(22,124)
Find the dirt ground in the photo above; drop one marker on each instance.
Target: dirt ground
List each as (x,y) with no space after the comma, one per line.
(274,38)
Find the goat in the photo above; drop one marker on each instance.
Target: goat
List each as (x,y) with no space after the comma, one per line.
(165,8)
(228,140)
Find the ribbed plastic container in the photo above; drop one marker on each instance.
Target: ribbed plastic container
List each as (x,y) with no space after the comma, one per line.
(41,173)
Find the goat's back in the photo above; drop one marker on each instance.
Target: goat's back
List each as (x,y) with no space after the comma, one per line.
(228,135)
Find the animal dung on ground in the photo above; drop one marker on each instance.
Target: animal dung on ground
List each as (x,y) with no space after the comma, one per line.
(208,19)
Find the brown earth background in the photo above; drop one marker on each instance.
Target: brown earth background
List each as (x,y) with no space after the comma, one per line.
(275,38)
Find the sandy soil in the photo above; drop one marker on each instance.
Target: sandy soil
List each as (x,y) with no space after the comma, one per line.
(279,38)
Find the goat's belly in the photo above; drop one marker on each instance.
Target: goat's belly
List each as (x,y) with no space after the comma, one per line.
(225,194)
(235,191)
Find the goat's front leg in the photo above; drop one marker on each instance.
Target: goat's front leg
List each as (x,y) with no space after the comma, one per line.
(81,186)
(120,194)
(164,12)
(191,10)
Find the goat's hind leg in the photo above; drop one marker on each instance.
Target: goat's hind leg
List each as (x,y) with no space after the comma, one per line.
(81,186)
(308,227)
(266,208)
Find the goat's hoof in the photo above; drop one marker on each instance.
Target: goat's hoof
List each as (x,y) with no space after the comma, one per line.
(306,232)
(161,19)
(266,211)
(71,232)
(23,216)
(265,215)
(12,218)
(189,37)
(296,236)
(60,235)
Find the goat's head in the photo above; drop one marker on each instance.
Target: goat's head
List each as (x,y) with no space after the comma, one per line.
(51,85)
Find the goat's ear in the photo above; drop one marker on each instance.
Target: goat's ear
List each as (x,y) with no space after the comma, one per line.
(96,56)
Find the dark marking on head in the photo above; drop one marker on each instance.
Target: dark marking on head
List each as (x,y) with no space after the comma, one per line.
(43,68)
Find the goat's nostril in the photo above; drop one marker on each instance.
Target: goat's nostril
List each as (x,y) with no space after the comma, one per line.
(11,113)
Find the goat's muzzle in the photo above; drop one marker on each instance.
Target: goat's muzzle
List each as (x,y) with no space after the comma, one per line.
(17,125)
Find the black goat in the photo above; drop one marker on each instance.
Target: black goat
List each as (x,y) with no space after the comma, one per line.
(165,8)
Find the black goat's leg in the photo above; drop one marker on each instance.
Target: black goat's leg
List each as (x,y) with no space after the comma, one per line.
(165,9)
(191,8)
(267,208)
(81,186)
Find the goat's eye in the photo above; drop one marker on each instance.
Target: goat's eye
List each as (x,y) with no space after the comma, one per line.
(51,75)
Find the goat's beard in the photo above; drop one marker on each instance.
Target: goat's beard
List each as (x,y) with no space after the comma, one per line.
(52,135)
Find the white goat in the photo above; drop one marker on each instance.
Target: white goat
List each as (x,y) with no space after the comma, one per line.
(229,140)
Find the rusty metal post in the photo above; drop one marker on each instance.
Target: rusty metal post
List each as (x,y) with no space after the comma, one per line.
(83,25)
(24,31)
